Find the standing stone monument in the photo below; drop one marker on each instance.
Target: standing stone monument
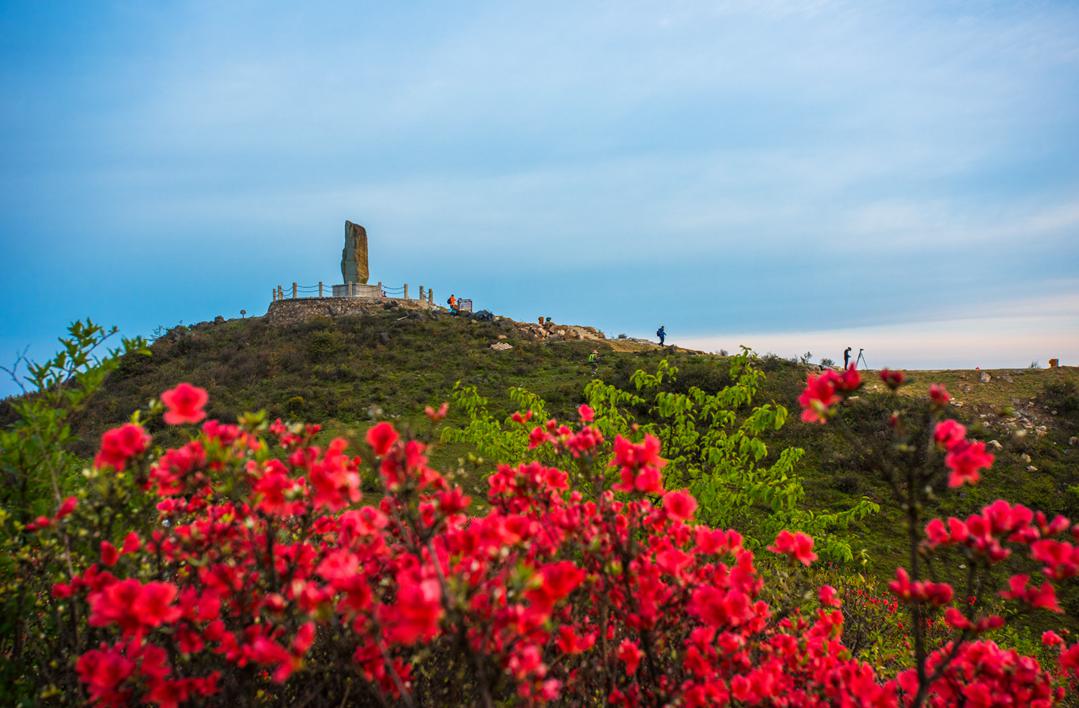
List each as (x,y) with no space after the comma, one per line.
(354,270)
(354,256)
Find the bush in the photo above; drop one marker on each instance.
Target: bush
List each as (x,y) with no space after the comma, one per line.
(1062,397)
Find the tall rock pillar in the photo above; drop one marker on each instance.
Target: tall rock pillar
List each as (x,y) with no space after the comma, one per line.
(354,256)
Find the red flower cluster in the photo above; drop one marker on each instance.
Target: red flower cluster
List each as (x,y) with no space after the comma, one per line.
(892,379)
(963,457)
(939,395)
(983,674)
(823,392)
(184,404)
(639,465)
(119,445)
(798,546)
(263,562)
(923,591)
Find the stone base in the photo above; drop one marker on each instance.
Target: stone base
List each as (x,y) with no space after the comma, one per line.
(289,311)
(367,292)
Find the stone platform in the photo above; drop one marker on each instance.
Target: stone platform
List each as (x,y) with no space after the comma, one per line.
(292,310)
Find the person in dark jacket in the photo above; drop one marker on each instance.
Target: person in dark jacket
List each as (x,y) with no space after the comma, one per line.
(662,334)
(846,358)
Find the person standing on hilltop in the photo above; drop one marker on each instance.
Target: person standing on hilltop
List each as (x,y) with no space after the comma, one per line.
(662,334)
(593,360)
(846,358)
(452,302)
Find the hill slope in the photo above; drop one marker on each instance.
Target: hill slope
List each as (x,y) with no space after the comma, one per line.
(389,363)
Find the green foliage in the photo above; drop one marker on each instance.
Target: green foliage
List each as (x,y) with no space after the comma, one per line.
(714,444)
(493,439)
(1061,396)
(38,470)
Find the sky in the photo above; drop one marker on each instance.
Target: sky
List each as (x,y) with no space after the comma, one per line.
(792,176)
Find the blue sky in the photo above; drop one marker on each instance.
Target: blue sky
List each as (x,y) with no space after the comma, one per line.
(787,175)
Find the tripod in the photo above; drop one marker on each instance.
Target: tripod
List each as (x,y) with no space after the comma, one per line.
(861,360)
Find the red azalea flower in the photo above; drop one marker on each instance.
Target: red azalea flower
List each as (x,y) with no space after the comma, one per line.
(154,605)
(585,411)
(679,504)
(630,655)
(798,546)
(66,507)
(850,380)
(437,415)
(939,395)
(636,455)
(819,396)
(131,543)
(949,433)
(109,554)
(965,460)
(381,438)
(119,445)
(103,670)
(828,597)
(1051,638)
(185,404)
(892,379)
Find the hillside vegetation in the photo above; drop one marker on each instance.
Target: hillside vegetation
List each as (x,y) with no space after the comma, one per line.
(348,372)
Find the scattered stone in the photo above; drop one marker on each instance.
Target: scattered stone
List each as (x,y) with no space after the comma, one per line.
(219,319)
(1025,458)
(985,377)
(501,346)
(995,444)
(502,336)
(1007,378)
(1031,468)
(1073,440)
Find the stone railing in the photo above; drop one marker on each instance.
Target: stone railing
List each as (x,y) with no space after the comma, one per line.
(362,291)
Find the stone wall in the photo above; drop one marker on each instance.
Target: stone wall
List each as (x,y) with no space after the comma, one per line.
(290,311)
